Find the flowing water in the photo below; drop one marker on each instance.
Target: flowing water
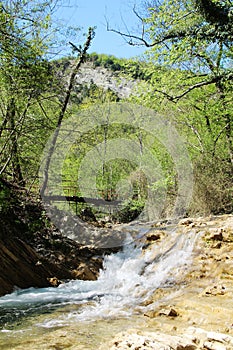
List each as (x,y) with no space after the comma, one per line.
(128,279)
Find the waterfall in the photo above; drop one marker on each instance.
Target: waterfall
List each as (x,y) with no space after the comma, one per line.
(127,279)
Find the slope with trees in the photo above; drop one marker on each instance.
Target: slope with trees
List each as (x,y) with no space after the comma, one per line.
(192,40)
(186,77)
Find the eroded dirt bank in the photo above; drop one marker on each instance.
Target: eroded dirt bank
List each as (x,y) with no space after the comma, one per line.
(34,254)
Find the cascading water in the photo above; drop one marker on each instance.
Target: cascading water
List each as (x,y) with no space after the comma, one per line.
(128,278)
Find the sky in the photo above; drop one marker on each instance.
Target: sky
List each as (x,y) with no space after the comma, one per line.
(118,13)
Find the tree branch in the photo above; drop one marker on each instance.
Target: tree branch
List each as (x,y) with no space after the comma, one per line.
(217,138)
(195,86)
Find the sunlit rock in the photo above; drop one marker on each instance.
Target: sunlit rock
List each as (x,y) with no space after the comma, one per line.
(83,272)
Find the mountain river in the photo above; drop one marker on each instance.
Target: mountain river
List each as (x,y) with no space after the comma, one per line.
(90,310)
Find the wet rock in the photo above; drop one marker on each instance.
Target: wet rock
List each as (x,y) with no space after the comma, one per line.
(153,236)
(83,272)
(54,281)
(34,255)
(21,266)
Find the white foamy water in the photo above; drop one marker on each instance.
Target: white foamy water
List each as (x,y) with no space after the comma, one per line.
(127,279)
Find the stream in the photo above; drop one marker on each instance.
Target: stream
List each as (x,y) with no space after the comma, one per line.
(127,280)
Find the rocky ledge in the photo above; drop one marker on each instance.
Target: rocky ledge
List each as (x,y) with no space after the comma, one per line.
(192,339)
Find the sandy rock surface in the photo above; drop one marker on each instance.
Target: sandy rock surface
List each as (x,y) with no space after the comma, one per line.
(196,313)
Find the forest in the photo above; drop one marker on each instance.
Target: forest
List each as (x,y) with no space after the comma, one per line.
(185,77)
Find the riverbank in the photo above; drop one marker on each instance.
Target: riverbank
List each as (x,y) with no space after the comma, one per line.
(33,253)
(190,309)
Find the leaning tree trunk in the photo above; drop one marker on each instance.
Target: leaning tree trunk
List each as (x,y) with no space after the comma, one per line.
(81,59)
(228,123)
(15,159)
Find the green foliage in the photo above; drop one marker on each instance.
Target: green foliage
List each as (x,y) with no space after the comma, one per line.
(182,38)
(130,211)
(213,186)
(218,13)
(24,75)
(31,90)
(186,77)
(131,67)
(5,196)
(194,48)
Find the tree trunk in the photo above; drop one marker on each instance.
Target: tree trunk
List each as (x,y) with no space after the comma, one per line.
(81,59)
(228,123)
(15,159)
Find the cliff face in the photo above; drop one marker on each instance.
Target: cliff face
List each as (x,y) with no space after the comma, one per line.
(121,84)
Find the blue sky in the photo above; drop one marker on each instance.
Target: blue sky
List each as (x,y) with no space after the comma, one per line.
(119,13)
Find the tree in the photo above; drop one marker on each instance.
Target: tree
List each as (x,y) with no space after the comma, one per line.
(32,91)
(194,37)
(192,42)
(24,74)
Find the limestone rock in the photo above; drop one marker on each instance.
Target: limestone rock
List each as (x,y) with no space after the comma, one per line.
(151,340)
(216,234)
(186,222)
(220,337)
(192,339)
(169,311)
(214,290)
(214,346)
